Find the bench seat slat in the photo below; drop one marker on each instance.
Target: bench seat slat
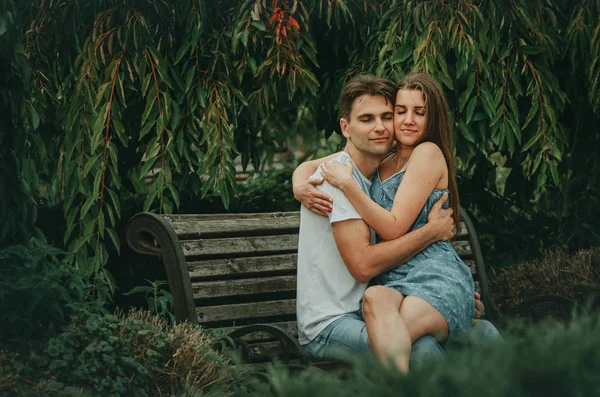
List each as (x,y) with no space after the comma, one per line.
(242,311)
(187,229)
(247,286)
(243,266)
(287,243)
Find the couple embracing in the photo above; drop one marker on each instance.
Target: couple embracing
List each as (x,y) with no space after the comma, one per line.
(376,270)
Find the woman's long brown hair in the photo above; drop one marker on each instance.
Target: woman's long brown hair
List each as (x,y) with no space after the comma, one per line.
(437,129)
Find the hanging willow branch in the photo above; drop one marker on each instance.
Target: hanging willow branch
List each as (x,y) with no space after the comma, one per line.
(159,98)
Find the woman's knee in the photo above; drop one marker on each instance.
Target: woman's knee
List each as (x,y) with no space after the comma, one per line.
(378,298)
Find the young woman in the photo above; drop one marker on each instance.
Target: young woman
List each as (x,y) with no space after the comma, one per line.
(433,292)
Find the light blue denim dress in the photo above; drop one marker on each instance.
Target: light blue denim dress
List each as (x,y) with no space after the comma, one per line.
(437,274)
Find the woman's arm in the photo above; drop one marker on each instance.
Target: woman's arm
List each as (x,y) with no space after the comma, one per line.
(427,166)
(304,188)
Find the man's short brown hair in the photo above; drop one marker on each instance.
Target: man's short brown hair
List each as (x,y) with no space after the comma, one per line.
(365,84)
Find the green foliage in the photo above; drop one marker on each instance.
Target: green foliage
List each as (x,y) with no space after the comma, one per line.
(159,300)
(39,289)
(17,174)
(121,355)
(138,354)
(266,191)
(548,359)
(102,93)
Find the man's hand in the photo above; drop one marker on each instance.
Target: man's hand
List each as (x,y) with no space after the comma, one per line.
(479,309)
(312,198)
(441,220)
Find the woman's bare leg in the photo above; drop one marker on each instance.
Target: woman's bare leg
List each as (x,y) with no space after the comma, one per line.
(422,319)
(389,336)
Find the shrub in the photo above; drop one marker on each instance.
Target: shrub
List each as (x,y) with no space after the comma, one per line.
(555,273)
(136,354)
(266,191)
(548,359)
(37,291)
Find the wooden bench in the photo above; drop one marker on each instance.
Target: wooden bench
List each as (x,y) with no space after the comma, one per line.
(237,273)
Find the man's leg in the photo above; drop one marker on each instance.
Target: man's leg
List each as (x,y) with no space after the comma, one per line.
(426,347)
(341,339)
(482,332)
(388,335)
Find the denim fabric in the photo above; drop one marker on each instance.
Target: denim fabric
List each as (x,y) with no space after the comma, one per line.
(341,339)
(347,337)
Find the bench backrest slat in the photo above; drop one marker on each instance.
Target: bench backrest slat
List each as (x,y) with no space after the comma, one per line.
(241,287)
(243,267)
(240,246)
(203,226)
(243,311)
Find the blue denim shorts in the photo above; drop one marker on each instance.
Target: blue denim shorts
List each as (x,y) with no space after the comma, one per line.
(343,338)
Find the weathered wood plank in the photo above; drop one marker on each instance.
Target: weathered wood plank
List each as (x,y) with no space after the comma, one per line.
(267,244)
(471,264)
(247,286)
(197,226)
(242,266)
(259,215)
(209,227)
(287,243)
(241,311)
(463,231)
(463,248)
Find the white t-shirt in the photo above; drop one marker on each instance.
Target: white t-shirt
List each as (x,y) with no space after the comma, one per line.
(325,288)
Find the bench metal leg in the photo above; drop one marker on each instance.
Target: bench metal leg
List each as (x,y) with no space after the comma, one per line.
(290,348)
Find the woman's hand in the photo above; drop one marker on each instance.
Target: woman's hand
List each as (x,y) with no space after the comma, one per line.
(479,308)
(312,198)
(337,174)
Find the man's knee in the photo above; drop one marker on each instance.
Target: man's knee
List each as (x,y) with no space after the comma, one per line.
(484,331)
(378,298)
(426,347)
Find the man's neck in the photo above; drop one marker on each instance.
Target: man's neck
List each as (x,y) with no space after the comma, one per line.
(367,164)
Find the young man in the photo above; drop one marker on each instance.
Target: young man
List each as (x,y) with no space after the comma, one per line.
(336,254)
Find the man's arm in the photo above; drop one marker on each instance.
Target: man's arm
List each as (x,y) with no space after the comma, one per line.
(365,260)
(304,188)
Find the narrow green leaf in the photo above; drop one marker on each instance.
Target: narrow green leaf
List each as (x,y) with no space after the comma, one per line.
(35,117)
(260,25)
(149,200)
(101,224)
(174,194)
(115,201)
(115,239)
(401,54)
(531,142)
(532,113)
(189,78)
(471,109)
(554,172)
(182,51)
(87,205)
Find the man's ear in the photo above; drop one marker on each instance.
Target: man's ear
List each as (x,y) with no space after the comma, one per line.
(344,128)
